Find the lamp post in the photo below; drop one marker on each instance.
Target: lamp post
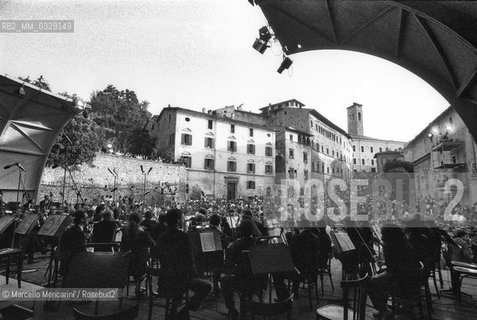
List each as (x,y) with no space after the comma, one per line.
(115,176)
(145,174)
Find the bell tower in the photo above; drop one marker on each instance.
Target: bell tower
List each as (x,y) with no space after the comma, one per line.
(355,119)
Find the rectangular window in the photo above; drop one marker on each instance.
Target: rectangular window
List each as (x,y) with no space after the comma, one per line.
(362,161)
(209,164)
(231,166)
(305,173)
(251,132)
(268,169)
(354,148)
(232,128)
(372,162)
(250,148)
(291,137)
(373,169)
(187,161)
(322,149)
(210,124)
(362,148)
(172,138)
(305,157)
(186,139)
(250,167)
(268,151)
(371,148)
(209,143)
(291,173)
(232,146)
(313,166)
(250,184)
(354,160)
(327,151)
(380,149)
(291,154)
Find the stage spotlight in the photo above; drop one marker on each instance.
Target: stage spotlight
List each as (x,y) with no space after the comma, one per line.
(261,43)
(286,63)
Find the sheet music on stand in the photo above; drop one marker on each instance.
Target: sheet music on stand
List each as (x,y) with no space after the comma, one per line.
(271,259)
(5,222)
(210,241)
(342,241)
(27,224)
(54,226)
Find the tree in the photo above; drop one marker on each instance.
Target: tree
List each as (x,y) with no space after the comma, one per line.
(142,143)
(78,143)
(122,112)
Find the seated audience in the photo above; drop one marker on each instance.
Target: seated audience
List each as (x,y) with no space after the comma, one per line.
(175,256)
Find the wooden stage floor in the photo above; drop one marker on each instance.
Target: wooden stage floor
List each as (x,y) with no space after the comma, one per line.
(445,308)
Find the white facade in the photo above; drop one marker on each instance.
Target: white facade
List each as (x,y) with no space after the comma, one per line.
(225,157)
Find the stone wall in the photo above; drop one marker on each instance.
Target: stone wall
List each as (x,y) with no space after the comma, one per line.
(96,180)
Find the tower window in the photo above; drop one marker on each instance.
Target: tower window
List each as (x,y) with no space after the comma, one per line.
(359,116)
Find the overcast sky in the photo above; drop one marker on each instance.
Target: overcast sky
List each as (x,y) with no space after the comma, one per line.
(198,54)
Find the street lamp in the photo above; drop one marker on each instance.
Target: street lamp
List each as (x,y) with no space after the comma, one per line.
(115,175)
(145,183)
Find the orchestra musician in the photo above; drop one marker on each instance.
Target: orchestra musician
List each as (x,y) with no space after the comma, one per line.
(46,203)
(401,264)
(73,241)
(104,231)
(175,256)
(237,277)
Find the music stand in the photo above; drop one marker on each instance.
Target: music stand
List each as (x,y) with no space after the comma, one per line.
(54,227)
(271,259)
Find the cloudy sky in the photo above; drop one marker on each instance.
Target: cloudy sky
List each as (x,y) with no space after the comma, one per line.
(198,54)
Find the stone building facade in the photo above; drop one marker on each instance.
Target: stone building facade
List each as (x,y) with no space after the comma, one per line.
(444,150)
(224,156)
(365,148)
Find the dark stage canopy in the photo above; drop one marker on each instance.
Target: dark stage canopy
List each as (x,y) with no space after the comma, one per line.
(436,40)
(30,121)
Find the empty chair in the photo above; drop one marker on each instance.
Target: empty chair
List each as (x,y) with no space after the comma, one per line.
(269,309)
(126,314)
(357,310)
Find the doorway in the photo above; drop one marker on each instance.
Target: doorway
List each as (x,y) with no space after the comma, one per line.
(231,191)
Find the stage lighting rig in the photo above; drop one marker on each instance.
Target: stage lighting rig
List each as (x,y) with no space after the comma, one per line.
(261,43)
(286,63)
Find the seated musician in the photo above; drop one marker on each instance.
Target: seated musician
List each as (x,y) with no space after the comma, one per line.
(138,241)
(461,251)
(304,248)
(150,225)
(247,215)
(175,256)
(104,231)
(73,240)
(238,275)
(214,223)
(401,267)
(46,203)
